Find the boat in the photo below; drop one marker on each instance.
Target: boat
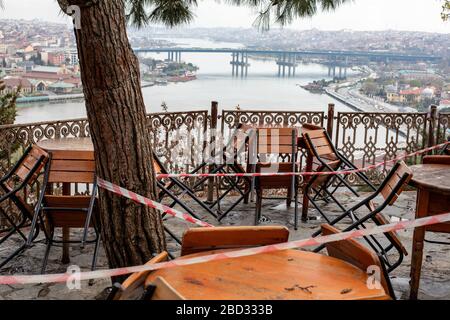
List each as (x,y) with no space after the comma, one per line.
(316,86)
(188,76)
(161,82)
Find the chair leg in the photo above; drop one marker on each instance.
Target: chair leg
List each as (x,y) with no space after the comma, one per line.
(258,206)
(296,208)
(289,198)
(247,194)
(94,258)
(47,252)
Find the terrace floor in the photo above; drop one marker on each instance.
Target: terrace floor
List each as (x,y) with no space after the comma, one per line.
(435,283)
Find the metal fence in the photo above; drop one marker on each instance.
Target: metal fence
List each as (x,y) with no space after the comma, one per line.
(363,137)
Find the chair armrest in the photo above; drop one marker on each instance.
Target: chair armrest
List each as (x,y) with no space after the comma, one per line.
(436,160)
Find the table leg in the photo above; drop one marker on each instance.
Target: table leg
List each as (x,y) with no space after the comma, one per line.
(417,246)
(65,259)
(305,203)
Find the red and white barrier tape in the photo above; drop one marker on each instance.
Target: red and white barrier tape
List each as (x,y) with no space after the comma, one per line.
(313,173)
(149,203)
(64,277)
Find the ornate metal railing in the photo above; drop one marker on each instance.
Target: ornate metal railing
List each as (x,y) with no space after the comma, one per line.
(368,138)
(230,119)
(178,138)
(443,127)
(170,133)
(166,129)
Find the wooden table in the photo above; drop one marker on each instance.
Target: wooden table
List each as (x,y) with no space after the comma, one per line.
(287,275)
(433,197)
(68,146)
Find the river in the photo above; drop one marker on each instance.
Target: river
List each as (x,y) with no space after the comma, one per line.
(261,89)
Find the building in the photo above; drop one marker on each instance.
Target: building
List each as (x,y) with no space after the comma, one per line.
(12,84)
(61,87)
(56,58)
(411,95)
(71,57)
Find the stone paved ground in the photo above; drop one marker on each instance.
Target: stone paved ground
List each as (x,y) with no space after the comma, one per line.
(435,275)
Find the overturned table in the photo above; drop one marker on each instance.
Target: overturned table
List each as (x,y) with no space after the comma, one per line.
(280,275)
(433,197)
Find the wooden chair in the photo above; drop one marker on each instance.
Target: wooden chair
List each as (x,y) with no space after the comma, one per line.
(133,287)
(279,143)
(13,188)
(389,190)
(358,255)
(69,211)
(319,144)
(197,240)
(161,290)
(441,159)
(310,127)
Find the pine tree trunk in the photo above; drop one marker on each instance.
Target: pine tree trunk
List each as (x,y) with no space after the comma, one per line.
(131,233)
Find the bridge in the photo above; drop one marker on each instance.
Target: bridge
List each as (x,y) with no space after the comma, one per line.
(287,60)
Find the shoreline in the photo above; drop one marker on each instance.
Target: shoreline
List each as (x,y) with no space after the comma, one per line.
(23,101)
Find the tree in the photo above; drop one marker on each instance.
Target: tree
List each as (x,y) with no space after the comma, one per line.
(115,107)
(7,113)
(7,116)
(445,10)
(370,88)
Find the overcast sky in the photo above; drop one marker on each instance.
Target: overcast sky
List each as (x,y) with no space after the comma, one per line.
(412,15)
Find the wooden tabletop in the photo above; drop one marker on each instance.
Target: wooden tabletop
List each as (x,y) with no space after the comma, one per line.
(433,177)
(67,144)
(282,275)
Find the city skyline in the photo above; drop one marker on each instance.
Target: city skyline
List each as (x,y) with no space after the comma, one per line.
(415,15)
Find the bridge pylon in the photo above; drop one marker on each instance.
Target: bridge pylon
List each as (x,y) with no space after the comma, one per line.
(239,64)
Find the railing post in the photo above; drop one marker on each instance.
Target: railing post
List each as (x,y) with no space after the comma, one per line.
(213,132)
(432,127)
(330,120)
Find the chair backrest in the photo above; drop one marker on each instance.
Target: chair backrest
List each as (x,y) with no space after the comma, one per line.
(358,255)
(72,167)
(441,159)
(318,142)
(158,166)
(396,180)
(164,291)
(204,239)
(133,287)
(276,140)
(310,126)
(34,160)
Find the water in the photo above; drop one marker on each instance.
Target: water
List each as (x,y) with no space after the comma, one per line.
(262,89)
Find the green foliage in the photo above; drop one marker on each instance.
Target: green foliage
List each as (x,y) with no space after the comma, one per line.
(7,116)
(415,83)
(370,87)
(175,12)
(7,106)
(446,10)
